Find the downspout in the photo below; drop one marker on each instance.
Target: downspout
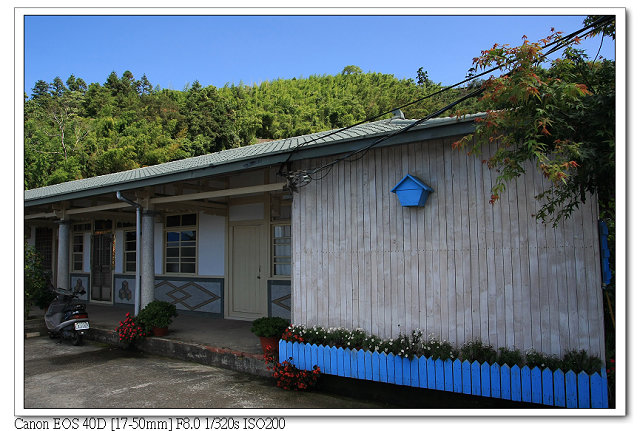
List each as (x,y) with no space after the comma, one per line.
(138,207)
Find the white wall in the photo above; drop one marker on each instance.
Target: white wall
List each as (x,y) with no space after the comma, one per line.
(211,242)
(86,250)
(119,257)
(158,244)
(253,211)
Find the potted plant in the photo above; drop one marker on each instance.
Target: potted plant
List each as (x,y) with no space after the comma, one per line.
(157,316)
(269,330)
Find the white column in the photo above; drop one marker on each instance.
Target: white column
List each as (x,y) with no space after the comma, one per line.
(62,279)
(147,281)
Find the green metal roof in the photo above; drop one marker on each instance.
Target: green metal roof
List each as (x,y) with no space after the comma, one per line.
(251,156)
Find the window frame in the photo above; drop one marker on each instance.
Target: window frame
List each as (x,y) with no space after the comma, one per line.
(78,230)
(125,251)
(179,229)
(272,246)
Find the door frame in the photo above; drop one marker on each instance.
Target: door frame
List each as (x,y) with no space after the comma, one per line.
(113,239)
(264,262)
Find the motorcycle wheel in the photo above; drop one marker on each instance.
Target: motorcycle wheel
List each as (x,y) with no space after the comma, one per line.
(76,339)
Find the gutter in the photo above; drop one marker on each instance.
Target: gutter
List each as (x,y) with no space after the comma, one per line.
(138,207)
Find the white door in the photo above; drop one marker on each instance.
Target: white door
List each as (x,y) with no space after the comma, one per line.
(248,292)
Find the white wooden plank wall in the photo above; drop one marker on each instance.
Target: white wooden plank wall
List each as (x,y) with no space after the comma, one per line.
(459,268)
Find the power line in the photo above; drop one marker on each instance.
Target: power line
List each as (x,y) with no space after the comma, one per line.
(304,177)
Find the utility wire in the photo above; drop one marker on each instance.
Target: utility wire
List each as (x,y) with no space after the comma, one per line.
(306,176)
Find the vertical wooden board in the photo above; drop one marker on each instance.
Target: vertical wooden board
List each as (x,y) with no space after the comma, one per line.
(506,323)
(584,401)
(371,239)
(290,351)
(425,246)
(466,377)
(360,317)
(596,392)
(532,259)
(604,388)
(544,282)
(382,214)
(434,319)
(558,388)
(354,363)
(375,367)
(553,292)
(282,351)
(483,284)
(295,264)
(439,372)
(495,381)
(398,370)
(525,374)
(335,361)
(391,367)
(571,388)
(536,385)
(547,387)
(340,361)
(485,379)
(431,373)
(467,262)
(382,365)
(368,365)
(524,300)
(492,253)
(474,228)
(406,371)
(448,375)
(450,332)
(476,378)
(410,250)
(422,372)
(459,261)
(516,384)
(326,359)
(457,376)
(505,382)
(315,356)
(361,373)
(594,279)
(582,339)
(415,372)
(345,246)
(298,355)
(308,365)
(516,199)
(347,363)
(561,277)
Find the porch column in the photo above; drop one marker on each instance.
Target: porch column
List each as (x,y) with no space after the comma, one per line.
(62,279)
(147,282)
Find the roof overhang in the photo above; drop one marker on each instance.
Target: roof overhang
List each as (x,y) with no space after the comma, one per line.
(424,132)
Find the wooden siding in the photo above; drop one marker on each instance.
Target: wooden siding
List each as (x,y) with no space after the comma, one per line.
(459,268)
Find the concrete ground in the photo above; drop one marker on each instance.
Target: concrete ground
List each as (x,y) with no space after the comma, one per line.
(59,375)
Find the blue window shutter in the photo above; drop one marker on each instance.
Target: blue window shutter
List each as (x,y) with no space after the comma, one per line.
(604,253)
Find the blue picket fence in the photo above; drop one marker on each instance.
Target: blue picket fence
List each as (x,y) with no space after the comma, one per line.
(552,388)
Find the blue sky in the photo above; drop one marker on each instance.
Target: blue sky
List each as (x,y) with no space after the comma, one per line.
(174,51)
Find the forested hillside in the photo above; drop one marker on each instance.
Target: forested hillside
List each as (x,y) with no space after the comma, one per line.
(74,130)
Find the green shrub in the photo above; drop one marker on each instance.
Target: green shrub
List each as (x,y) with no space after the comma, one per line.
(478,351)
(157,314)
(269,326)
(541,360)
(581,361)
(36,289)
(510,357)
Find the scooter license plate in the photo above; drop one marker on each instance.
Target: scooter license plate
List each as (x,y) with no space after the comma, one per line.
(81,325)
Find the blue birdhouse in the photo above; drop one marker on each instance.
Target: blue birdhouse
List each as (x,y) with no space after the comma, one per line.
(411,191)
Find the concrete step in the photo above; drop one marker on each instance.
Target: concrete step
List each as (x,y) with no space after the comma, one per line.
(35,327)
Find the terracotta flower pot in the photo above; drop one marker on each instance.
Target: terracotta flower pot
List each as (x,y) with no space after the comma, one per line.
(267,342)
(159,332)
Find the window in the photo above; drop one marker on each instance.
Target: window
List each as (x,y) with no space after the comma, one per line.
(130,251)
(77,252)
(281,250)
(180,244)
(77,245)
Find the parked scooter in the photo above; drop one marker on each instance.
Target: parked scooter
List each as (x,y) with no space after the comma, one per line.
(66,318)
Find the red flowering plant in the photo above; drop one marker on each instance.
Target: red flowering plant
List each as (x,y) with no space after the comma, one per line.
(288,376)
(130,330)
(292,334)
